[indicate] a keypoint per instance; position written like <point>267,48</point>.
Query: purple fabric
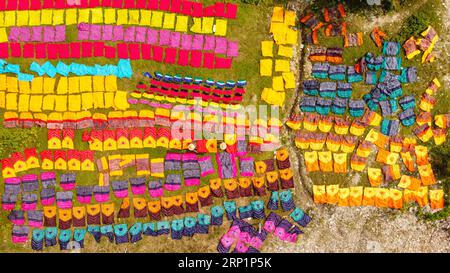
<point>152,36</point>
<point>60,35</point>
<point>118,33</point>
<point>233,49</point>
<point>164,37</point>
<point>49,34</point>
<point>107,33</point>
<point>95,33</point>
<point>175,39</point>
<point>186,42</point>
<point>197,43</point>
<point>36,34</point>
<point>221,45</point>
<point>83,31</point>
<point>129,34</point>
<point>14,34</point>
<point>210,43</point>
<point>140,34</point>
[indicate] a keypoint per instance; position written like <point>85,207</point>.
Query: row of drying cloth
<point>379,197</point>
<point>121,70</point>
<point>281,25</point>
<point>141,17</point>
<point>133,51</point>
<point>219,45</point>
<point>413,46</point>
<point>185,7</point>
<point>45,34</point>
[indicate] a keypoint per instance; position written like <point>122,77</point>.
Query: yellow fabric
<point>289,80</point>
<point>272,97</point>
<point>24,102</point>
<point>58,17</point>
<point>97,15</point>
<point>36,103</point>
<point>120,100</point>
<point>110,83</point>
<point>133,17</point>
<point>98,83</point>
<point>146,17</point>
<point>267,48</point>
<point>24,87</point>
<point>122,17</point>
<point>2,99</point>
<point>12,84</point>
<point>61,103</point>
<point>266,67</point>
<point>48,103</point>
<point>207,25</point>
<point>182,23</point>
<point>10,18</point>
<point>110,16</point>
<point>87,101</point>
<point>157,17</point>
<point>277,83</point>
<point>22,17</point>
<point>83,16</point>
<point>2,82</point>
<point>86,84</point>
<point>221,27</point>
<point>34,18</point>
<point>37,85</point>
<point>291,36</point>
<point>285,51</point>
<point>278,14</point>
<point>74,85</point>
<point>74,103</point>
<point>63,86</point>
<point>279,31</point>
<point>282,65</point>
<point>98,100</point>
<point>49,85</point>
<point>11,101</point>
<point>289,18</point>
<point>3,35</point>
<point>109,100</point>
<point>169,20</point>
<point>71,16</point>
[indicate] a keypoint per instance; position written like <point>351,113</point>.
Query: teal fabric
<point>121,229</point>
<point>79,234</point>
<point>162,225</point>
<point>285,196</point>
<point>297,214</point>
<point>230,206</point>
<point>106,229</point>
<point>136,229</point>
<point>189,222</point>
<point>148,226</point>
<point>217,211</point>
<point>204,219</point>
<point>257,205</point>
<point>92,229</point>
<point>65,235</point>
<point>38,234</point>
<point>177,225</point>
<point>51,232</point>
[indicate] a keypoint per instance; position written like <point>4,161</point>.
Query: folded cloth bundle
<point>140,207</point>
<point>231,188</point>
<point>177,227</point>
<point>78,236</point>
<point>163,228</point>
<point>311,87</point>
<point>226,163</point>
<point>247,166</point>
<point>271,222</point>
<point>191,169</point>
<point>94,230</point>
<point>300,217</point>
<point>287,179</point>
<point>189,226</point>
<point>8,201</point>
<point>120,188</point>
<point>225,243</point>
<point>50,236</point>
<point>64,238</point>
<point>203,222</point>
<point>12,185</point>
<point>35,218</point>
<point>17,217</point>
<point>64,199</point>
<point>101,194</point>
<point>206,166</point>
<point>108,232</point>
<point>93,214</point>
<point>282,230</point>
<point>230,209</point>
<point>217,215</point>
<point>37,239</point>
<point>29,201</point>
<point>30,183</point>
<point>205,196</point>
<point>79,216</point>
<point>155,188</point>
<point>121,233</point>
<point>287,202</point>
<point>67,181</point>
<point>65,218</point>
<point>259,186</point>
<point>173,182</point>
<point>138,186</point>
<point>149,229</point>
<point>136,232</point>
<point>84,194</point>
<point>272,204</point>
<point>192,202</point>
<point>48,179</point>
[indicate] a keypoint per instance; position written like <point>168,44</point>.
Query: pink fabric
<point>60,33</point>
<point>118,33</point>
<point>129,34</point>
<point>18,239</point>
<point>186,42</point>
<point>121,194</point>
<point>140,34</point>
<point>49,34</point>
<point>48,201</point>
<point>156,193</point>
<point>197,42</point>
<point>101,198</point>
<point>95,32</point>
<point>175,39</point>
<point>138,190</point>
<point>221,46</point>
<point>28,206</point>
<point>233,49</point>
<point>64,204</point>
<point>83,31</point>
<point>152,36</point>
<point>164,37</point>
<point>210,43</point>
<point>107,33</point>
<point>36,34</point>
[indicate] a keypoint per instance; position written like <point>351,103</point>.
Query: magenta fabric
<point>60,33</point>
<point>95,32</point>
<point>186,42</point>
<point>152,36</point>
<point>221,46</point>
<point>197,42</point>
<point>175,38</point>
<point>36,34</point>
<point>164,37</point>
<point>128,35</point>
<point>83,31</point>
<point>140,34</point>
<point>233,49</point>
<point>118,33</point>
<point>107,33</point>
<point>210,43</point>
<point>49,34</point>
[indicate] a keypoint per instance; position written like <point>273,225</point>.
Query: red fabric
<point>209,11</point>
<point>28,51</point>
<point>183,57</point>
<point>60,154</point>
<point>223,63</point>
<point>68,133</point>
<point>109,134</point>
<point>196,58</point>
<point>170,55</point>
<point>97,134</point>
<point>153,4</point>
<point>99,49</point>
<point>48,4</point>
<point>141,4</point>
<point>60,4</point>
<point>122,132</point>
<point>146,51</point>
<point>30,152</point>
<point>7,163</point>
<point>12,5</point>
<point>106,3</point>
<point>197,9</point>
<point>46,154</point>
<point>86,49</point>
<point>186,7</point>
<point>201,146</point>
<point>122,51</point>
<point>135,53</point>
<point>87,155</point>
<point>94,3</point>
<point>16,50</point>
<point>36,4</point>
<point>83,4</point>
<point>164,5</point>
<point>75,50</point>
<point>163,132</point>
<point>176,6</point>
<point>2,5</point>
<point>231,11</point>
<point>24,4</point>
<point>149,131</point>
<point>220,9</point>
<point>208,60</point>
<point>41,51</point>
<point>110,52</point>
<point>64,51</point>
<point>118,4</point>
<point>17,156</point>
<point>85,136</point>
<point>130,4</point>
<point>136,132</point>
<point>157,53</point>
<point>51,133</point>
<point>4,50</point>
<point>73,154</point>
<point>52,51</point>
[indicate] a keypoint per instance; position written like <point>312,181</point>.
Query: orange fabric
<point>369,196</point>
<point>427,175</point>
<point>344,194</point>
<point>408,161</point>
<point>395,199</point>
<point>340,162</point>
<point>356,196</point>
<point>421,155</point>
<point>332,194</point>
<point>375,176</point>
<point>325,161</point>
<point>319,194</point>
<point>382,198</point>
<point>422,196</point>
<point>311,161</point>
<point>436,199</point>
